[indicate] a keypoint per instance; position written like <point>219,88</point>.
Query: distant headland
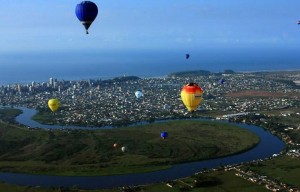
<point>197,73</point>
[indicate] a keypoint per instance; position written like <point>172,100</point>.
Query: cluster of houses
<point>113,102</point>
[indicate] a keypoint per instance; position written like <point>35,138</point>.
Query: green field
<point>82,152</point>
<point>284,168</point>
<point>217,181</point>
<point>9,114</point>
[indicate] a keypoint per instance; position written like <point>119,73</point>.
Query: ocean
<point>39,67</point>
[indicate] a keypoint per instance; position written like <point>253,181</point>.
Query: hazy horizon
<point>41,39</point>
<point>38,67</point>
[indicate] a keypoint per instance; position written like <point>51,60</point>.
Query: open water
<point>39,67</point>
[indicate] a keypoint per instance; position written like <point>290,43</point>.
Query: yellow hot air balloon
<point>191,96</point>
<point>53,104</point>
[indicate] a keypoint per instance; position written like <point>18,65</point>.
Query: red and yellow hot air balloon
<point>53,104</point>
<point>191,96</point>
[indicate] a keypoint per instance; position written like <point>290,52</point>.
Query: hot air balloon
<point>53,104</point>
<point>138,94</point>
<point>123,149</point>
<point>86,12</point>
<point>187,56</point>
<point>222,81</point>
<point>115,145</point>
<point>298,22</point>
<point>164,135</point>
<point>166,106</point>
<point>191,95</point>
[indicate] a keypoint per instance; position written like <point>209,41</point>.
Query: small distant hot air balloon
<point>166,106</point>
<point>115,145</point>
<point>86,12</point>
<point>164,135</point>
<point>222,81</point>
<point>123,149</point>
<point>298,22</point>
<point>53,104</point>
<point>138,94</point>
<point>191,95</point>
<point>187,56</point>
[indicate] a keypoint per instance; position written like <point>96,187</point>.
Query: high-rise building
<point>51,81</point>
<point>19,88</point>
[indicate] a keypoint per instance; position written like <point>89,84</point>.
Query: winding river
<point>269,145</point>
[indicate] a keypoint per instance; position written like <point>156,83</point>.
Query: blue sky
<point>39,25</point>
<point>33,30</point>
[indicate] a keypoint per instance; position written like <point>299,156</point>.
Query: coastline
<point>109,77</point>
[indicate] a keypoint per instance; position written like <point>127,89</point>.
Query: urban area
<point>259,98</point>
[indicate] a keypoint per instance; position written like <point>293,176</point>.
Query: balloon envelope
<point>222,81</point>
<point>138,94</point>
<point>164,135</point>
<point>166,106</point>
<point>53,104</point>
<point>86,12</point>
<point>187,56</point>
<point>191,96</point>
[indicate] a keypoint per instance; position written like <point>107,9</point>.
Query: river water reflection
<point>269,145</point>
